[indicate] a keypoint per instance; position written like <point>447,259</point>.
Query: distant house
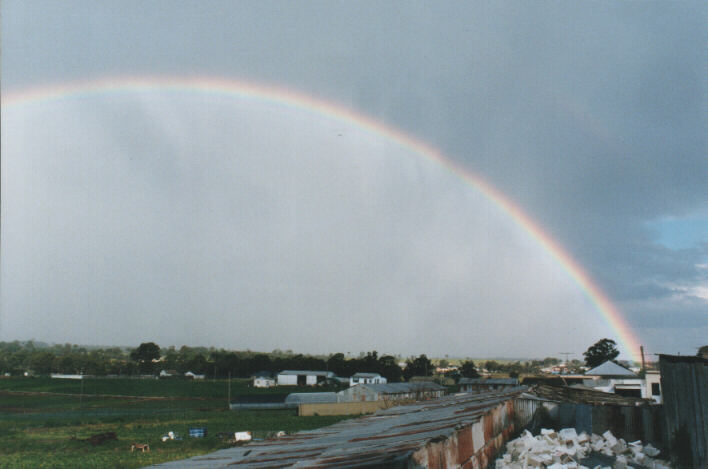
<point>392,392</point>
<point>263,379</point>
<point>478,385</point>
<point>366,378</point>
<point>192,375</point>
<point>611,377</point>
<point>303,377</point>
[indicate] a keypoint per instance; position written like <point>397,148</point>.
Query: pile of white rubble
<point>565,449</point>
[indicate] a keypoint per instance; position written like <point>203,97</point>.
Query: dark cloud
<point>591,116</point>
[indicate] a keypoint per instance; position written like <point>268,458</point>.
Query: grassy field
<point>147,387</point>
<point>45,430</point>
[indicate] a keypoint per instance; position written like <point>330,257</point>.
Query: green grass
<point>44,430</point>
<point>206,389</point>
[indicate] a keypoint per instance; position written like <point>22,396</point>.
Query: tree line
<point>148,358</point>
<point>17,358</point>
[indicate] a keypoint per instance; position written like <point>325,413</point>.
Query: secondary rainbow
<point>286,97</point>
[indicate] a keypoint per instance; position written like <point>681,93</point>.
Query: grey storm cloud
<point>591,116</point>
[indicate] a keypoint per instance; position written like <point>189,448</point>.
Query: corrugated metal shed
<point>585,396</point>
<point>465,430</point>
<point>594,411</point>
<point>393,388</point>
<point>392,391</point>
<point>311,397</point>
<point>491,381</point>
<point>365,375</point>
<point>307,372</point>
<point>684,382</point>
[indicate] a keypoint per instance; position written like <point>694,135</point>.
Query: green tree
<point>421,366</point>
<point>338,364</point>
<point>145,354</point>
<point>491,366</point>
<point>388,367</point>
<point>600,352</point>
<point>41,362</point>
<point>469,370</point>
<point>703,352</point>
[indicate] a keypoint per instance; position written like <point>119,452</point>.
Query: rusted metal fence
<point>629,422</point>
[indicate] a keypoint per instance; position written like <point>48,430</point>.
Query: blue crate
<point>198,432</point>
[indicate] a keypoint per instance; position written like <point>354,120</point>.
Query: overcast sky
<point>208,220</point>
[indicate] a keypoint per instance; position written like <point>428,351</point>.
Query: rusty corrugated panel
<point>595,411</point>
<point>465,430</point>
<point>585,396</point>
<point>684,384</point>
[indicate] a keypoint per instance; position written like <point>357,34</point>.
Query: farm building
<point>392,392</point>
<point>303,377</point>
<point>311,398</point>
<point>366,378</point>
<point>263,379</point>
<point>263,382</point>
<point>67,376</point>
<point>487,384</point>
<point>193,375</point>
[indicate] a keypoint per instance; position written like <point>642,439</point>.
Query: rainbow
<point>286,97</point>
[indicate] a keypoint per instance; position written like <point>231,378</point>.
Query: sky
<point>193,218</point>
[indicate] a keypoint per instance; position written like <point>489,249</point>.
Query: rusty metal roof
<point>584,396</point>
<point>311,397</point>
<point>399,388</point>
<point>387,438</point>
<point>306,372</point>
<point>491,381</point>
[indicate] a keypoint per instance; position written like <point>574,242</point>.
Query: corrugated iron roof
<point>366,375</point>
<point>683,359</point>
<point>398,388</point>
<point>306,372</point>
<point>311,397</point>
<point>491,381</point>
<point>610,368</point>
<point>385,439</point>
<point>584,396</point>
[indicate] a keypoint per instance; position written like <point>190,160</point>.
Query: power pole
<point>641,350</point>
<point>566,355</point>
<point>228,403</point>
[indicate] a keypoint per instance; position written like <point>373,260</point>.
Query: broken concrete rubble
<point>566,449</point>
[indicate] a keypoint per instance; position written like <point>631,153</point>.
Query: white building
<point>366,378</point>
<point>303,377</point>
<point>614,378</point>
<point>652,379</point>
<point>263,379</point>
<point>193,375</point>
<point>66,376</point>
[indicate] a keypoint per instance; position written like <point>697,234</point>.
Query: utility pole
<point>641,350</point>
<point>566,355</point>
<point>229,395</point>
